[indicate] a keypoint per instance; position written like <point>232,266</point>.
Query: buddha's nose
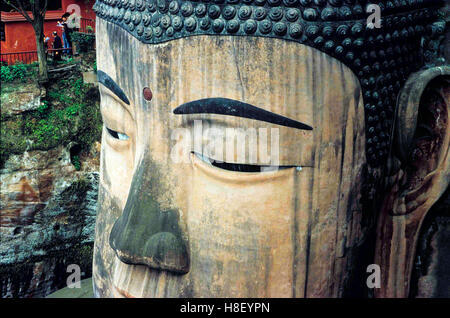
<point>146,234</point>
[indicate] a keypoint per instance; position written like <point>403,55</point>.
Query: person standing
<point>57,46</point>
<point>67,33</point>
<point>64,37</point>
<point>46,39</point>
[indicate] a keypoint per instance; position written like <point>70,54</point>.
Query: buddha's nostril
<point>168,251</point>
<point>163,251</point>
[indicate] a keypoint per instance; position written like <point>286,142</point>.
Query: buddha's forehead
<point>274,74</point>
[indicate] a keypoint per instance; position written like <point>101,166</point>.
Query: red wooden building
<point>17,35</point>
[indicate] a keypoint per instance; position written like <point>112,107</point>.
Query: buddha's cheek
<point>116,172</point>
<point>241,229</point>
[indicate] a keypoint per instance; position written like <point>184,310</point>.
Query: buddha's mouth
<point>120,293</point>
<point>137,281</point>
<point>119,286</point>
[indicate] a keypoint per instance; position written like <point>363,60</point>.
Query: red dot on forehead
<point>147,93</point>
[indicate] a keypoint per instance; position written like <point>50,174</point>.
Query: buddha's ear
<point>422,137</point>
<point>421,149</point>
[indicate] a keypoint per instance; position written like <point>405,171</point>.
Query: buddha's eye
<point>241,167</point>
<point>117,135</point>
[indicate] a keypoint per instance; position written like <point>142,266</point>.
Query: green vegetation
<point>70,60</point>
<point>19,72</point>
<point>94,66</point>
<point>76,162</point>
<point>85,41</point>
<point>69,113</point>
<point>43,107</point>
<point>24,73</point>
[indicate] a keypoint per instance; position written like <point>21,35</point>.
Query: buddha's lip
<point>119,291</point>
<point>116,290</point>
<point>122,292</point>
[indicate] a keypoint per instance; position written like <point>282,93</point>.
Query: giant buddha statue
<point>262,148</point>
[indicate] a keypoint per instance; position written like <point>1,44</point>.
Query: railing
<point>27,57</point>
<point>23,57</point>
<point>62,49</point>
<point>86,25</point>
<point>31,56</point>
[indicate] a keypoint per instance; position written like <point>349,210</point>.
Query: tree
<point>38,8</point>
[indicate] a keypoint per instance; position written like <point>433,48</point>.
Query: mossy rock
<point>69,113</point>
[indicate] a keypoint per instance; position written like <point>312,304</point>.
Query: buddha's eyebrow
<point>108,82</point>
<point>225,106</point>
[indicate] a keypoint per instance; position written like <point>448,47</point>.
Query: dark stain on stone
<point>145,233</point>
<point>436,227</point>
<point>45,186</point>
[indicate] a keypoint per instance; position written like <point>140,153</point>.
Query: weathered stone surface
<point>47,216</point>
<point>296,232</point>
<point>418,185</point>
<point>436,281</point>
<point>431,274</point>
<point>20,99</point>
<point>90,77</point>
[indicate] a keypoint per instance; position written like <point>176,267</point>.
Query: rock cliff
<point>49,179</point>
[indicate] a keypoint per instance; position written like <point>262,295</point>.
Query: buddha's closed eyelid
<point>117,139</point>
<point>243,167</point>
<point>118,123</point>
<point>114,126</point>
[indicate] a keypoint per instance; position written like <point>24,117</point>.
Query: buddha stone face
<point>277,211</point>
<point>171,223</point>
